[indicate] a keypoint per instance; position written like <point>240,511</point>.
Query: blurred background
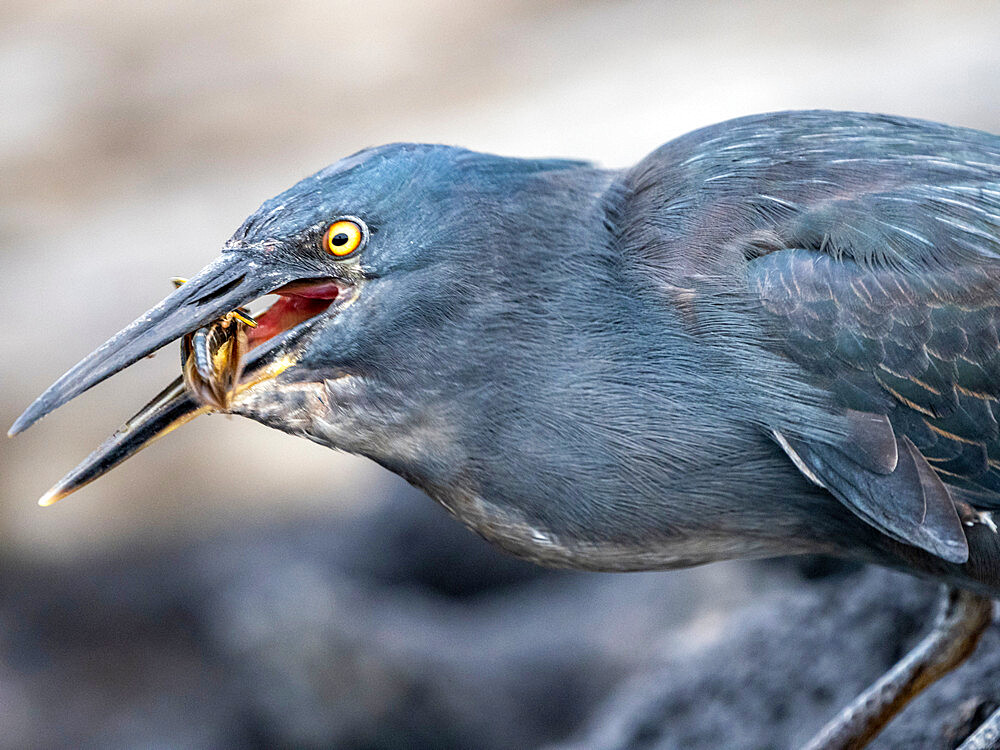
<point>233,586</point>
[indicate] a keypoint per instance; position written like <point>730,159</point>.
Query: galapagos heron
<point>771,336</point>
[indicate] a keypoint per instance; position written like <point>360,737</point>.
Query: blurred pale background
<point>134,137</point>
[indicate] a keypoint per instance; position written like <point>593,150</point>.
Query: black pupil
<point>339,239</point>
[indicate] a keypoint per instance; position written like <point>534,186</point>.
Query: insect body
<point>212,356</point>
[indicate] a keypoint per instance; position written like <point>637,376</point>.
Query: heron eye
<point>344,237</point>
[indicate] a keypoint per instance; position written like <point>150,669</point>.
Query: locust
<point>212,356</point>
<point>212,361</point>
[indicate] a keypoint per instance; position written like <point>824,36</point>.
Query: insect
<point>212,356</point>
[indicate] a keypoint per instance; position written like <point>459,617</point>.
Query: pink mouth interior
<point>297,302</point>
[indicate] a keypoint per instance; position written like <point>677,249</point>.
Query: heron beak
<point>226,284</point>
<point>220,287</point>
<point>171,408</point>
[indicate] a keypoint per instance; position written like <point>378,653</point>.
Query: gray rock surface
<point>404,630</point>
<point>781,667</point>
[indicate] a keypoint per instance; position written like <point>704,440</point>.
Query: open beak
<point>221,287</point>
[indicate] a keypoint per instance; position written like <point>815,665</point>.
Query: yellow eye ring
<point>344,237</point>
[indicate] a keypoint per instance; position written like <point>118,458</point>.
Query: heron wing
<point>921,348</point>
<point>871,249</point>
<point>915,341</point>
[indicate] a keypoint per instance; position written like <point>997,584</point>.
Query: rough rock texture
<point>783,666</point>
<point>403,630</point>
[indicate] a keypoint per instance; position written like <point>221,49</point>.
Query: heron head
<point>394,272</point>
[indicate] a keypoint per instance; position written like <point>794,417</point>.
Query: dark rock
<point>399,629</point>
<point>402,629</point>
<point>773,673</point>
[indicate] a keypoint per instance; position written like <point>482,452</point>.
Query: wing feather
<point>871,248</point>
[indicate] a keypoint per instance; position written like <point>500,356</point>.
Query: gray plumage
<point>774,335</point>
